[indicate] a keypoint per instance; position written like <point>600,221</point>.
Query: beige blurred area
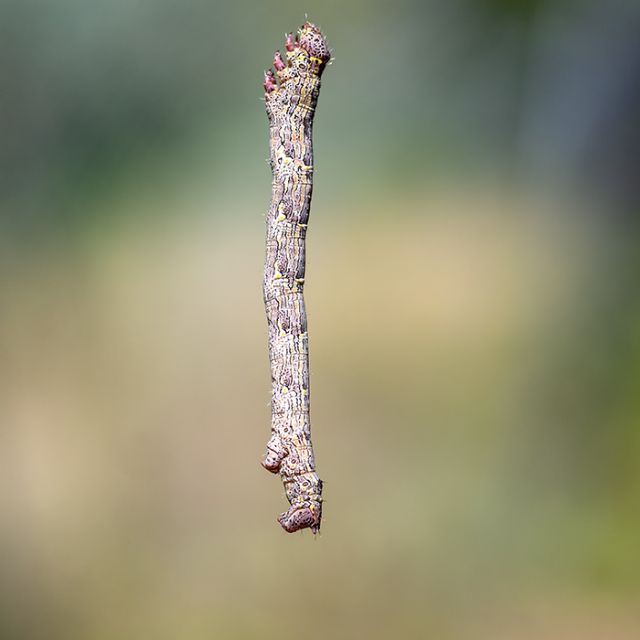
<point>135,410</point>
<point>473,318</point>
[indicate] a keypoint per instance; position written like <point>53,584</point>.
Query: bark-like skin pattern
<point>291,96</point>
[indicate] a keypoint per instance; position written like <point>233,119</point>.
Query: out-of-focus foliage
<point>475,410</point>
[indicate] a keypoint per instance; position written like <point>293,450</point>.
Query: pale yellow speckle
<point>285,390</point>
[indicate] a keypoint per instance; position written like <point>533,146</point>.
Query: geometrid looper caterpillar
<point>291,95</point>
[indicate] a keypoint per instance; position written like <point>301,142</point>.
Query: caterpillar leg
<point>275,454</point>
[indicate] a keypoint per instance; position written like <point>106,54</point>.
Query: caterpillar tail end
<point>301,517</point>
<point>304,492</point>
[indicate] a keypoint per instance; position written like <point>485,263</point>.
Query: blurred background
<point>473,264</point>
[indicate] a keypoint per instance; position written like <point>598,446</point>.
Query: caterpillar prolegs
<point>291,95</point>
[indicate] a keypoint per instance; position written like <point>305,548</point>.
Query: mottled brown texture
<point>291,96</point>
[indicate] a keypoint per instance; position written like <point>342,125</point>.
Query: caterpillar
<point>291,96</point>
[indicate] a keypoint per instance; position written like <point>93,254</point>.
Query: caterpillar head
<point>310,38</point>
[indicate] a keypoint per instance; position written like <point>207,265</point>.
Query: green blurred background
<point>473,264</point>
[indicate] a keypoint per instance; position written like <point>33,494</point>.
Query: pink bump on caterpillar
<point>278,63</point>
<point>290,43</point>
<point>269,83</point>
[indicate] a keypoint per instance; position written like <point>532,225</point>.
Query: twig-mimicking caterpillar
<point>291,95</point>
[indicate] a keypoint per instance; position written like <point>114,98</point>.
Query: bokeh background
<point>473,264</point>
